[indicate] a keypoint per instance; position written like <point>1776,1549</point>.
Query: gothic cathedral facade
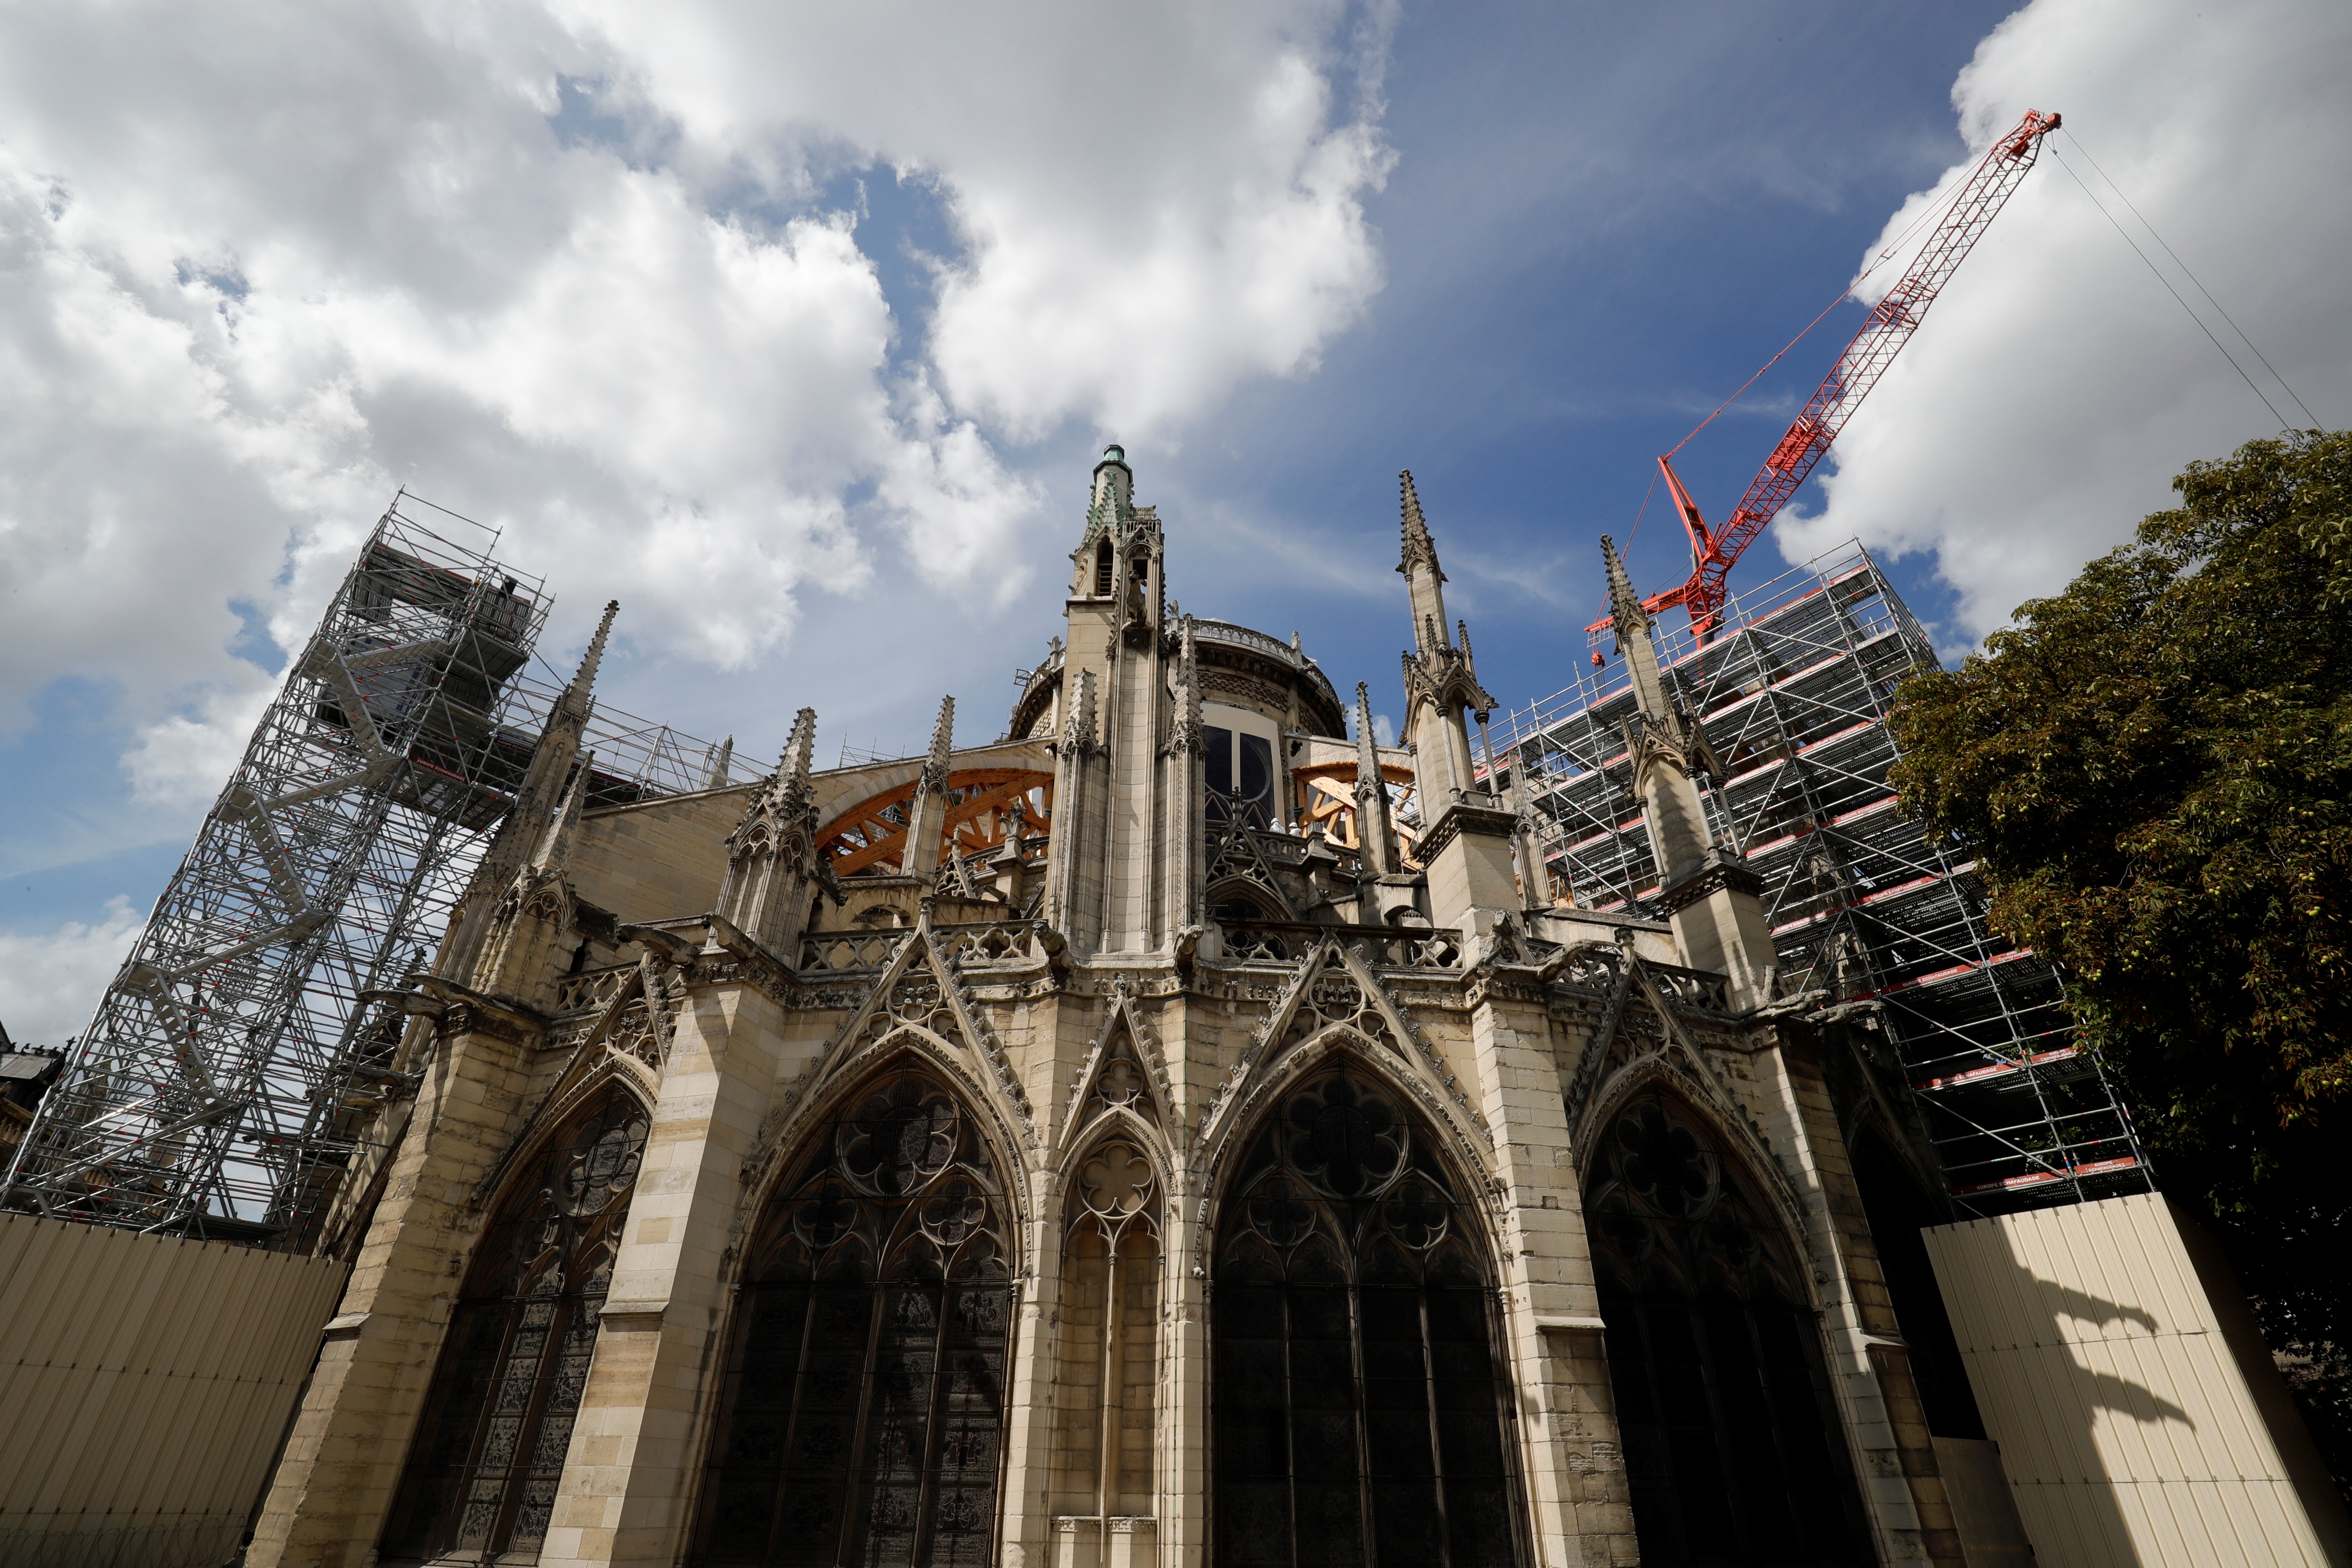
<point>1174,1134</point>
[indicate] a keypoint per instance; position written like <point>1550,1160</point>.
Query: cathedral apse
<point>1179,1129</point>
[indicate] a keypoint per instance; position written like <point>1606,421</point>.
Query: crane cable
<point>1931,210</point>
<point>2192,278</point>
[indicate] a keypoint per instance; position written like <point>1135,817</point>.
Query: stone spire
<point>1421,572</point>
<point>1634,639</point>
<point>555,845</point>
<point>772,860</point>
<point>793,766</point>
<point>1375,833</point>
<point>722,756</point>
<point>1465,842</point>
<point>926,817</point>
<point>537,804</point>
<point>1709,895</point>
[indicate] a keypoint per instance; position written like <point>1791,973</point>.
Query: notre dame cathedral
<point>1173,1133</point>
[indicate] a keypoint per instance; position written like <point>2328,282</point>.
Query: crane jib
<point>1892,321</point>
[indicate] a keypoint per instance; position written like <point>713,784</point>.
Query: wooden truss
<point>1327,796</point>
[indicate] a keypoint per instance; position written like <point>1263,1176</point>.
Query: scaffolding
<point>1794,693</point>
<point>233,1066</point>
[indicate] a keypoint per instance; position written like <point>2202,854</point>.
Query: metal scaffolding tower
<point>1794,693</point>
<point>233,1064</point>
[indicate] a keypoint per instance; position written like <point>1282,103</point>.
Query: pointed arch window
<point>482,1471</point>
<point>1110,1325</point>
<point>1360,1405</point>
<point>862,1398</point>
<point>1733,1452</point>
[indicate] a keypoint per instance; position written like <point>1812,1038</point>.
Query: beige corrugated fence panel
<point>2129,1400</point>
<point>145,1385</point>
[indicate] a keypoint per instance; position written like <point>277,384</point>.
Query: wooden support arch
<point>979,816</point>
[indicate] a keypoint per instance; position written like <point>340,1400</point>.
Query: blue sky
<point>800,337</point>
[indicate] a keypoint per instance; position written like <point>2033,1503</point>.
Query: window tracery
<point>480,1480</point>
<point>862,1399</point>
<point>1732,1446</point>
<point>1359,1404</point>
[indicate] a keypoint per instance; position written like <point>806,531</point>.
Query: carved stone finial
<point>1373,832</point>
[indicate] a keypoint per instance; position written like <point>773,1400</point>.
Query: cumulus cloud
<point>50,981</point>
<point>589,272</point>
<point>2057,387</point>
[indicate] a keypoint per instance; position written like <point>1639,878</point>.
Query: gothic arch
<point>841,1079</point>
<point>1704,1100</point>
<point>1734,1449</point>
<point>861,1400</point>
<point>1123,1076</point>
<point>1233,1125</point>
<point>1115,1205</point>
<point>482,1466</point>
<point>1309,1020</point>
<point>1362,1405</point>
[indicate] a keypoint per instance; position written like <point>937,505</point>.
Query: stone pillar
<point>1466,855</point>
<point>1182,1539</point>
<point>1720,926</point>
<point>1567,1425</point>
<point>628,1473</point>
<point>1024,1506</point>
<point>1902,1489</point>
<point>334,1484</point>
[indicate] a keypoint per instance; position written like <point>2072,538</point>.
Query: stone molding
<point>1717,875</point>
<point>1462,817</point>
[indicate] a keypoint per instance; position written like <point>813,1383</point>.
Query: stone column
<point>1025,1501</point>
<point>334,1484</point>
<point>628,1474</point>
<point>1886,1433</point>
<point>1182,1535</point>
<point>1567,1425</point>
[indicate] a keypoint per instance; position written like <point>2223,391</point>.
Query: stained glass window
<point>1360,1407</point>
<point>488,1451</point>
<point>1733,1452</point>
<point>862,1400</point>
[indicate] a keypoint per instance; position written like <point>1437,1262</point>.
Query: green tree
<point>2155,769</point>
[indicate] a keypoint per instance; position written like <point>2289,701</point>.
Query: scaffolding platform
<point>1794,694</point>
<point>233,1066</point>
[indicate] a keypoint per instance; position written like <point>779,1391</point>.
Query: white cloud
<point>1158,204</point>
<point>49,981</point>
<point>2056,388</point>
<point>254,274</point>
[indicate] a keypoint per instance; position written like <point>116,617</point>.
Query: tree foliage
<point>2154,769</point>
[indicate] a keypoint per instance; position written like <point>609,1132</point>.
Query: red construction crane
<point>1892,321</point>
